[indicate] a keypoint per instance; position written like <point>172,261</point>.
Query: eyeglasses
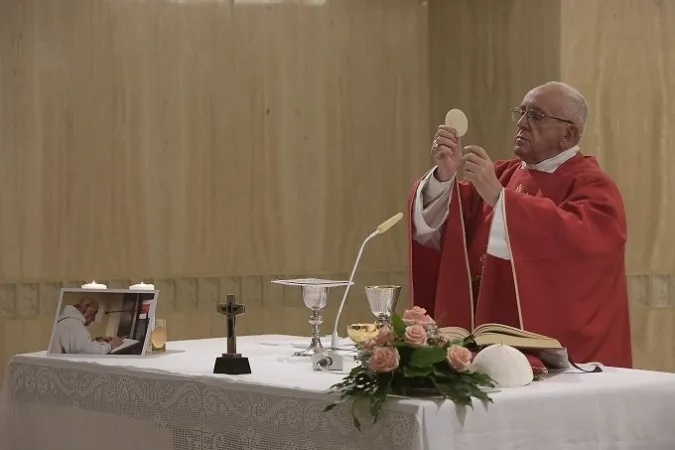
<point>533,115</point>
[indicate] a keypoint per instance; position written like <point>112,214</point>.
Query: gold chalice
<point>362,332</point>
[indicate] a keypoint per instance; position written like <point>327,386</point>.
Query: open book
<point>549,350</point>
<point>492,333</point>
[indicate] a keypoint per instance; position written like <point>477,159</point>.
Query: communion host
<point>536,242</point>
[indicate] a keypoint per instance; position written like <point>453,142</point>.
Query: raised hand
<point>447,152</point>
<point>479,170</point>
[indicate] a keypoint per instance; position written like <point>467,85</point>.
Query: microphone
<point>381,228</point>
<point>325,362</point>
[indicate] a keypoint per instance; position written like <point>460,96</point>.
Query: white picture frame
<point>102,315</point>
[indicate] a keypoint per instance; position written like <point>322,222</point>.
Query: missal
<point>536,346</point>
<point>493,333</point>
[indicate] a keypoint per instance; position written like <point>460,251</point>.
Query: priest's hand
<point>447,152</point>
<point>480,171</point>
<point>115,342</point>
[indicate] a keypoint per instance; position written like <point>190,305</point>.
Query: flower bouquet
<point>411,358</point>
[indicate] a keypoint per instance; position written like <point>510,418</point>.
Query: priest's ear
<point>571,137</point>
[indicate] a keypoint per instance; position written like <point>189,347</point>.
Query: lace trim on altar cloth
<point>194,415</point>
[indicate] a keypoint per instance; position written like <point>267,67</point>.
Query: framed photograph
<point>103,322</point>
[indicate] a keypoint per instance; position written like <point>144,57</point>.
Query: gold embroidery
<point>477,278</point>
<point>519,188</point>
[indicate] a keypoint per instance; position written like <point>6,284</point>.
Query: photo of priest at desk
<point>102,323</point>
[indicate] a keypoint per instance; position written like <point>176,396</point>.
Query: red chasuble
<point>567,233</point>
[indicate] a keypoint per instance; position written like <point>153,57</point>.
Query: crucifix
<point>231,363</point>
<point>231,310</point>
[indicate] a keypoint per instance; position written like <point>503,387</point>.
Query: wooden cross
<point>231,310</point>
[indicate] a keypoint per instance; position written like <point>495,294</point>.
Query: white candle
<point>142,286</point>
<point>94,285</point>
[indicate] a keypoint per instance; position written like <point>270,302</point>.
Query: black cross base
<point>229,364</point>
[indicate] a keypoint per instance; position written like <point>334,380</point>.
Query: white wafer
<point>456,119</point>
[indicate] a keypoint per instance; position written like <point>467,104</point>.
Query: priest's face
<point>542,129</point>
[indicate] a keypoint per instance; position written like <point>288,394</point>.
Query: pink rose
<point>417,316</point>
<point>415,335</point>
<point>459,358</point>
<point>384,336</point>
<point>369,344</point>
<point>384,359</point>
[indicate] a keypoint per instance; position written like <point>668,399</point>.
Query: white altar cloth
<point>174,401</point>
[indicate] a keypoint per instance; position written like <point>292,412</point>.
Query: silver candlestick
<point>382,301</point>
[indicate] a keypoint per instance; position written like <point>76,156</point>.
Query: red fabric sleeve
<point>590,222</point>
<point>426,261</point>
<point>570,268</point>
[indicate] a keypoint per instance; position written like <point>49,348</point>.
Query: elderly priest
<point>536,242</point>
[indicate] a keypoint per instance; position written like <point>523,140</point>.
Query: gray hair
<point>575,108</point>
<point>84,303</point>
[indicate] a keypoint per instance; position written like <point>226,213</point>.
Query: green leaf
<point>356,370</point>
<point>427,357</point>
<point>441,388</point>
<point>376,403</point>
<point>426,365</point>
<point>443,370</point>
<point>477,392</point>
<point>329,407</point>
<point>355,420</point>
<point>397,325</point>
<point>415,372</point>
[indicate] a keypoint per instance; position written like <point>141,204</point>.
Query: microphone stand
<point>382,228</point>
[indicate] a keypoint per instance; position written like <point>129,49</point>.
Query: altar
<point>174,401</point>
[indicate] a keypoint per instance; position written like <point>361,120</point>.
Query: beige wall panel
<point>208,147</point>
<point>206,138</point>
<point>653,338</point>
<point>484,56</point>
<point>620,55</point>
